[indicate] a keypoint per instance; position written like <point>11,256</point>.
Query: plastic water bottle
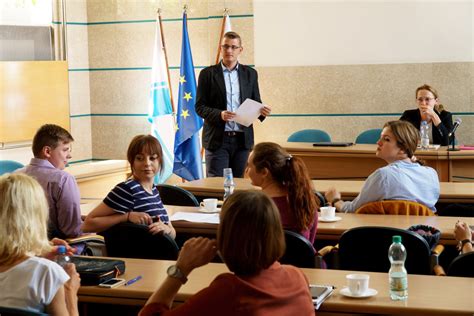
<point>62,258</point>
<point>425,138</point>
<point>228,183</point>
<point>397,273</point>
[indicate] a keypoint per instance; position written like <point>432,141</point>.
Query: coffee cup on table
<point>328,212</point>
<point>210,205</point>
<point>358,284</point>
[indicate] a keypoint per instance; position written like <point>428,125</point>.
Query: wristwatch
<point>335,201</point>
<point>174,272</point>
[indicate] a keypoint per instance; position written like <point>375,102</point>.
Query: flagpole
<point>221,35</point>
<point>166,58</point>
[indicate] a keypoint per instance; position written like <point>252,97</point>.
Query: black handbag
<point>94,271</point>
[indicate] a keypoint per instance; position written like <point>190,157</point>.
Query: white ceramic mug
<point>328,212</point>
<point>357,284</point>
<point>209,204</point>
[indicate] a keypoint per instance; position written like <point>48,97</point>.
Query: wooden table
<point>357,162</point>
<point>428,295</point>
<point>461,165</point>
<point>450,192</point>
<point>326,231</point>
<point>96,179</point>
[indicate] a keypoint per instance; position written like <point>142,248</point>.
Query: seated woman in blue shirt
<point>404,178</point>
<point>137,199</point>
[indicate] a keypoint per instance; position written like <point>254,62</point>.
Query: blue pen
<point>129,282</point>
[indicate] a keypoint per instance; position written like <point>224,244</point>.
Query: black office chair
<point>9,311</point>
<point>299,251</point>
<point>321,198</point>
<point>462,266</point>
<point>366,249</point>
<point>173,195</point>
<point>129,240</point>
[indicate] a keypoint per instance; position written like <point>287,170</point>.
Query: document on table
<point>248,112</point>
<point>196,217</point>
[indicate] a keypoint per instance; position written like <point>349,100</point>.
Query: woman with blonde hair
<point>285,179</point>
<point>250,240</point>
<point>439,120</point>
<point>404,178</point>
<point>29,282</point>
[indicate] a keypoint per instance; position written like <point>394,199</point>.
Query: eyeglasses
<point>226,47</point>
<point>424,99</point>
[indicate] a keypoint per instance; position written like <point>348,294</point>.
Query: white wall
<point>298,33</point>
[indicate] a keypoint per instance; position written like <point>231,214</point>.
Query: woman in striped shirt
<point>137,199</point>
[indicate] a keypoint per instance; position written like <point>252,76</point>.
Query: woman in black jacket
<point>430,110</point>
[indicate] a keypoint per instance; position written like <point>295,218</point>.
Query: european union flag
<point>187,156</point>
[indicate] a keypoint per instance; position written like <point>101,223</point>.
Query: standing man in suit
<point>221,89</point>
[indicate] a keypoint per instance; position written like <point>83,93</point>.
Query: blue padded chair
<point>309,136</point>
<point>370,136</point>
<point>9,166</point>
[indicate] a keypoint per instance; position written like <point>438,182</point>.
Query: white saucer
<point>329,220</point>
<point>369,293</point>
<point>203,210</point>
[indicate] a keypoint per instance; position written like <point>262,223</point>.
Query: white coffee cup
<point>328,212</point>
<point>209,205</point>
<point>357,284</point>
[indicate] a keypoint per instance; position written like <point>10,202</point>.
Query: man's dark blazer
<point>211,101</point>
<point>440,132</point>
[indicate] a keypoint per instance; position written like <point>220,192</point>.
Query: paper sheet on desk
<point>196,217</point>
<point>248,112</point>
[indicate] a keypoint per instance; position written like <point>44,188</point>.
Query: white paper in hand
<point>248,112</point>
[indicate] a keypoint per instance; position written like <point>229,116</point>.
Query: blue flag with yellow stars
<point>187,156</point>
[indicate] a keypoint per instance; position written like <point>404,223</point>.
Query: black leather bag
<point>94,271</point>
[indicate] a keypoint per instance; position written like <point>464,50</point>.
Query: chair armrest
<point>326,250</point>
<point>438,270</point>
<point>86,238</point>
<point>438,249</point>
<point>435,253</point>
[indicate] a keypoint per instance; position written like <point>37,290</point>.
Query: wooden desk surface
<point>450,192</point>
<point>328,231</point>
<point>428,295</point>
<point>357,162</point>
<point>97,168</point>
<point>96,179</point>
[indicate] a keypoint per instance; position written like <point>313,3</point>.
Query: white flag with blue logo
<point>160,110</point>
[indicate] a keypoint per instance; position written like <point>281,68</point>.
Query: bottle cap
<point>61,250</point>
<point>397,239</point>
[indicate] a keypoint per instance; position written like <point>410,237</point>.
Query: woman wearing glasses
<point>430,110</point>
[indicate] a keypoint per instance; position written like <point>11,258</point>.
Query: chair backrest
<point>366,249</point>
<point>173,195</point>
<point>299,251</point>
<point>321,198</point>
<point>370,136</point>
<point>9,166</point>
<point>462,266</point>
<point>395,207</point>
<point>309,136</point>
<point>9,311</point>
<point>128,240</point>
